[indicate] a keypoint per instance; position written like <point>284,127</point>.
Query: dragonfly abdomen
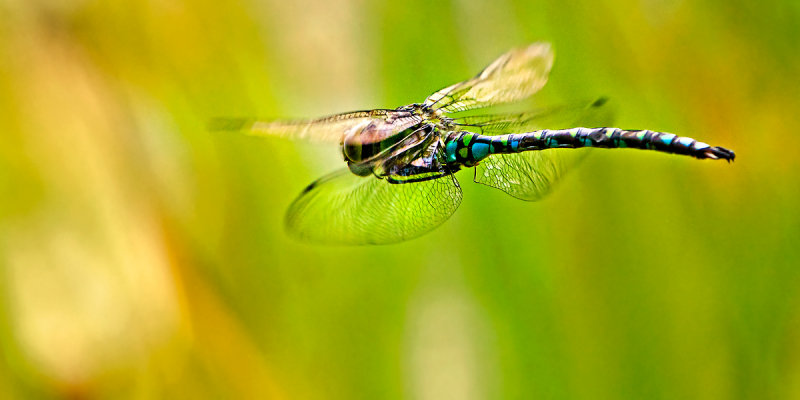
<point>469,148</point>
<point>619,138</point>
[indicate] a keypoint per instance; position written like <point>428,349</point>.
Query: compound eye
<point>352,142</point>
<point>352,147</point>
<point>368,141</point>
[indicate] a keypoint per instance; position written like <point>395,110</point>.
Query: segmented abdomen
<point>468,148</point>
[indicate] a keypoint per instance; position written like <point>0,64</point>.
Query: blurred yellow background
<point>144,257</point>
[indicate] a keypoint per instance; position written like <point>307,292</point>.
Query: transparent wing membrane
<point>513,76</point>
<point>531,175</point>
<point>343,208</point>
<point>528,176</point>
<point>561,117</point>
<point>327,129</point>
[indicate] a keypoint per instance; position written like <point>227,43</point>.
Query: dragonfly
<point>399,182</point>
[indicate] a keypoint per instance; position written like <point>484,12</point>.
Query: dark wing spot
<point>600,102</point>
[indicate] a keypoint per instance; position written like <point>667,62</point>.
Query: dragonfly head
<point>369,149</point>
<point>368,140</point>
<point>375,137</point>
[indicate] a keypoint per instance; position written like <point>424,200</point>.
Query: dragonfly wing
<point>514,76</point>
<point>527,176</point>
<point>531,175</point>
<point>559,117</point>
<point>326,129</point>
<point>343,208</point>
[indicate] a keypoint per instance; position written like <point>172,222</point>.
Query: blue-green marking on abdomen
<point>450,149</point>
<point>480,151</point>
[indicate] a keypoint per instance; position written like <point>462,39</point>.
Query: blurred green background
<point>144,257</point>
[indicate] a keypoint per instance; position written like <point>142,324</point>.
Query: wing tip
<point>541,46</point>
<point>601,101</point>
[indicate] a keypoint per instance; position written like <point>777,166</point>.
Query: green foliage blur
<point>144,257</point>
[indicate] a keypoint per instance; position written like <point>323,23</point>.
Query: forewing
<point>531,175</point>
<point>343,208</point>
<point>559,117</point>
<point>514,76</point>
<point>326,129</point>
